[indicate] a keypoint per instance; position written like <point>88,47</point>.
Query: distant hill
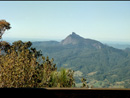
<point>119,46</point>
<point>91,59</point>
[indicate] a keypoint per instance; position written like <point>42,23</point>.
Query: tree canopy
<point>4,25</point>
<point>19,67</point>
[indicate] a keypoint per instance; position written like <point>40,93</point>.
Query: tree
<point>4,26</point>
<point>19,67</point>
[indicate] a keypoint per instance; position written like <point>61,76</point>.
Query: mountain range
<point>102,65</point>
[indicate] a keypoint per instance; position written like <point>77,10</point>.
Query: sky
<point>55,20</point>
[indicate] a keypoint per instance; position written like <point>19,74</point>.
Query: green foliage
<point>65,78</point>
<point>19,67</point>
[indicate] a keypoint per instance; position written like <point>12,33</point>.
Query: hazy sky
<point>54,20</point>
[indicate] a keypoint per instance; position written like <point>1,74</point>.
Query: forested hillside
<point>102,65</point>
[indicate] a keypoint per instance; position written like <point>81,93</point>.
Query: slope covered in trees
<point>90,56</point>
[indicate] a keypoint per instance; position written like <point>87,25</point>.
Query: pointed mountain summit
<point>74,39</point>
<point>76,36</point>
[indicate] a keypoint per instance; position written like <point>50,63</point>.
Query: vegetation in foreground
<point>20,67</point>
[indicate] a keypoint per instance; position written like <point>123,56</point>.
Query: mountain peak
<point>73,33</point>
<point>75,39</point>
<point>72,39</point>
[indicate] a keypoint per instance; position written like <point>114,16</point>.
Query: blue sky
<point>54,20</point>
